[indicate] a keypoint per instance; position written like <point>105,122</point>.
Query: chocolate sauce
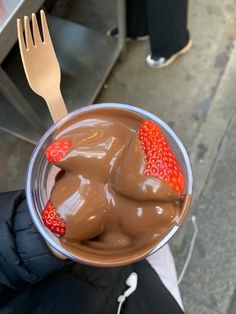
<point>113,212</point>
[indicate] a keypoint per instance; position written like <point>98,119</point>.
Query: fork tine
<point>46,34</point>
<point>36,33</point>
<point>28,35</point>
<point>21,37</point>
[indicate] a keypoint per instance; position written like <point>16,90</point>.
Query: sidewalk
<point>209,285</point>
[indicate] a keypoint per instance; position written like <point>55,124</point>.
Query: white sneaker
<point>162,62</point>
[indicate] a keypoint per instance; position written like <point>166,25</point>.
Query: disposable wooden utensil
<point>40,64</point>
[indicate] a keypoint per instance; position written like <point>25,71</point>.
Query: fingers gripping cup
<point>109,184</point>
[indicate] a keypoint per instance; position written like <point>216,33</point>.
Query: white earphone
<point>131,282</point>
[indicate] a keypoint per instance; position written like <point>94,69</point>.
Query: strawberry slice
<point>160,159</point>
<point>57,150</point>
<point>52,220</point>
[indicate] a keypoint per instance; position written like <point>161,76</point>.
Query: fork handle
<point>56,105</point>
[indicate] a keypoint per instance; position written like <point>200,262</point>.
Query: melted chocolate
<point>113,212</point>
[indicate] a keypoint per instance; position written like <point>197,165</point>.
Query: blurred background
<point>196,96</point>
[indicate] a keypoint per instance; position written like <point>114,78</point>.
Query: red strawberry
<point>57,150</point>
<point>52,220</point>
<point>160,159</point>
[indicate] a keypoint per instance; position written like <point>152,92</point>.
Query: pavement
<point>209,283</point>
<point>196,97</point>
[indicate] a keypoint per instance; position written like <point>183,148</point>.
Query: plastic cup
<point>41,175</point>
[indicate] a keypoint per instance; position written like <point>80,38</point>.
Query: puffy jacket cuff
<point>24,255</point>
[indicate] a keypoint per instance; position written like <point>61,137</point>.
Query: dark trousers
<point>165,21</point>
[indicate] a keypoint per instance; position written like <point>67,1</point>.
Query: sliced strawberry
<point>52,220</point>
<point>160,159</point>
<point>57,150</point>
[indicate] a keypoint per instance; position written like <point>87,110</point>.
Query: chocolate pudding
<point>112,208</point>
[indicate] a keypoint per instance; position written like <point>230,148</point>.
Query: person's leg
<point>136,18</point>
<point>167,22</point>
<point>136,14</point>
<point>163,263</point>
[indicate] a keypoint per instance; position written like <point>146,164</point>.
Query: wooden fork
<point>40,64</point>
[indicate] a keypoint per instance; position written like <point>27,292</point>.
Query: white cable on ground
<point>190,252</point>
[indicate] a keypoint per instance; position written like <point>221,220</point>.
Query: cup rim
<point>59,123</point>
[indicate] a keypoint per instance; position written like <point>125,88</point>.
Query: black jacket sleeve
<point>24,256</point>
<point>25,259</point>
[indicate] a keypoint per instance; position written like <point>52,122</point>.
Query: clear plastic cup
<point>41,175</point>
